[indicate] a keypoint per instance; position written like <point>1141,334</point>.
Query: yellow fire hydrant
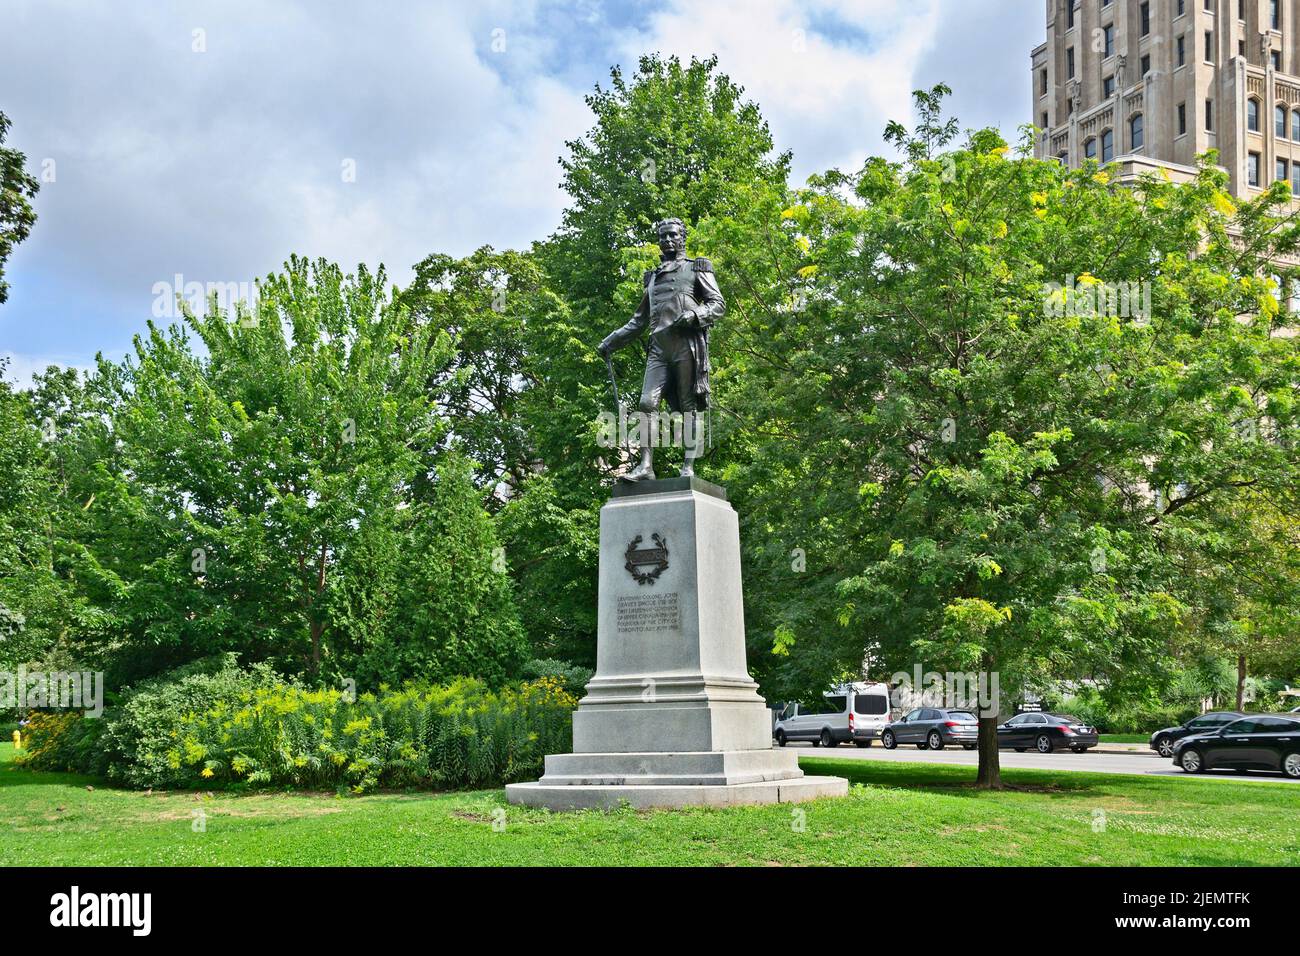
<point>18,740</point>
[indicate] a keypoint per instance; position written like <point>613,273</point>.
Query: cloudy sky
<point>213,138</point>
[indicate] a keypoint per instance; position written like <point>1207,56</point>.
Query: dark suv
<point>1162,741</point>
<point>930,728</point>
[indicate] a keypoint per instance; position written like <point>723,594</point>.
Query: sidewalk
<point>1136,750</point>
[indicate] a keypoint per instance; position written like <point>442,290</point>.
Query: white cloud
<point>218,165</point>
<point>826,89</point>
<point>21,369</point>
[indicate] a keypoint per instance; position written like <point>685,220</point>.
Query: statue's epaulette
<point>703,265</point>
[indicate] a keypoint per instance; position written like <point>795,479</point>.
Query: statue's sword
<point>609,364</point>
<point>618,403</point>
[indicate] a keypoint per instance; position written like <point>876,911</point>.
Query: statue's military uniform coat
<point>681,301</point>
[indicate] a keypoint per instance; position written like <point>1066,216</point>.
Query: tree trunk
<point>1241,681</point>
<point>315,647</point>
<point>989,708</point>
<point>990,772</point>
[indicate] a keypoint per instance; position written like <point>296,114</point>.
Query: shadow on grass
<point>958,781</point>
<point>13,775</point>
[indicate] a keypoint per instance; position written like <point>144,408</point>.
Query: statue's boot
<point>644,471</point>
<point>693,446</point>
<point>688,467</point>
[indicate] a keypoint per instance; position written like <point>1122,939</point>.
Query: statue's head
<point>672,238</point>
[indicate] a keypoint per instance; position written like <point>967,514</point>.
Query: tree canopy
<point>977,412</point>
<point>18,188</point>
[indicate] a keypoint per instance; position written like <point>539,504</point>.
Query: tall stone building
<point>1154,83</point>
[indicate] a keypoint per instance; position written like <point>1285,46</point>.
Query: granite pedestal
<point>671,717</point>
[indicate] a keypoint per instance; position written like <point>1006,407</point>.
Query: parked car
<point>856,712</point>
<point>1253,742</point>
<point>1046,732</point>
<point>1162,741</point>
<point>931,728</point>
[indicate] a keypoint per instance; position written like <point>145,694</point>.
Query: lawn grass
<point>896,814</point>
<point>1125,738</point>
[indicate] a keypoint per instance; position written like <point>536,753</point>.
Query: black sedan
<point>1250,743</point>
<point>1162,741</point>
<point>1046,732</point>
<point>931,728</point>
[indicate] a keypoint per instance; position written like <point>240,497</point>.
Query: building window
<point>1181,9</point>
<point>1144,13</point>
<point>1281,171</point>
<point>1295,179</point>
<point>1044,119</point>
<point>1279,122</point>
<point>1252,115</point>
<point>1275,14</point>
<point>1090,149</point>
<point>1135,131</point>
<point>1063,158</point>
<point>1069,15</point>
<point>1275,58</point>
<point>1209,115</point>
<point>1295,125</point>
<point>1108,146</point>
<point>1069,63</point>
<point>1042,82</point>
<point>1182,119</point>
<point>1182,50</point>
<point>1108,87</point>
<point>1209,47</point>
<point>1108,35</point>
<point>1146,64</point>
<point>1241,9</point>
<point>1252,169</point>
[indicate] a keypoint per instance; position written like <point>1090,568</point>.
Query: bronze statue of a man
<point>680,303</point>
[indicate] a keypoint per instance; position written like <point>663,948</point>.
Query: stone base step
<point>795,790</point>
<point>690,768</point>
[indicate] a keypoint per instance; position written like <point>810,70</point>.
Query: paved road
<point>1093,761</point>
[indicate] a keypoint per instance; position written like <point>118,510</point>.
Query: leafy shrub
<point>142,730</point>
<point>460,735</point>
<point>570,676</point>
<point>1132,718</point>
<point>61,741</point>
<point>213,723</point>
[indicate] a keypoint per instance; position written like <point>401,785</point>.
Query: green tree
<point>265,495</point>
<point>17,189</point>
<point>984,475</point>
<point>525,388</point>
<point>491,305</point>
<point>553,553</point>
<point>447,608</point>
<point>1242,565</point>
<point>29,587</point>
<point>52,441</point>
<point>674,140</point>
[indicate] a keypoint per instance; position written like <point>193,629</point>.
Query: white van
<point>856,712</point>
